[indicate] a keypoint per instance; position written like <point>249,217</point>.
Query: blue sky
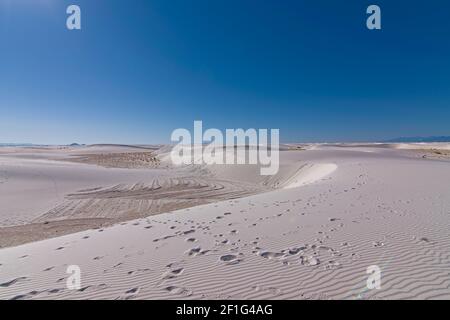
<point>139,69</point>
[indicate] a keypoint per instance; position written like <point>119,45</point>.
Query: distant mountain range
<point>421,139</point>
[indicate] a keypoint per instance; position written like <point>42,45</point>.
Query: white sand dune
<point>32,186</point>
<point>425,145</point>
<point>301,240</point>
<point>309,173</point>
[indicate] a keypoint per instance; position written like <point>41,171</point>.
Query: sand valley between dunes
<point>141,228</point>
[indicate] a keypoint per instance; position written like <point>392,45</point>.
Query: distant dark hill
<point>421,139</point>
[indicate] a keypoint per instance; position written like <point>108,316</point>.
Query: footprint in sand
<point>294,251</point>
<point>130,294</point>
<point>21,297</point>
<point>426,240</point>
<point>10,283</point>
<point>332,265</point>
<point>94,288</point>
<point>60,280</point>
<point>53,291</point>
<point>178,291</point>
<point>230,259</point>
<point>138,271</point>
<point>170,274</point>
<point>174,264</point>
<point>193,251</point>
<point>377,244</point>
<point>27,296</point>
<point>310,261</point>
<point>177,271</point>
<point>270,255</point>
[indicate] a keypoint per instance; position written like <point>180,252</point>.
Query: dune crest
<point>309,173</point>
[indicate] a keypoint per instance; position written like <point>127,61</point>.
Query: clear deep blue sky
<point>139,69</point>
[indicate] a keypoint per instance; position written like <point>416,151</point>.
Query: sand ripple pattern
<point>311,242</point>
<point>124,202</point>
